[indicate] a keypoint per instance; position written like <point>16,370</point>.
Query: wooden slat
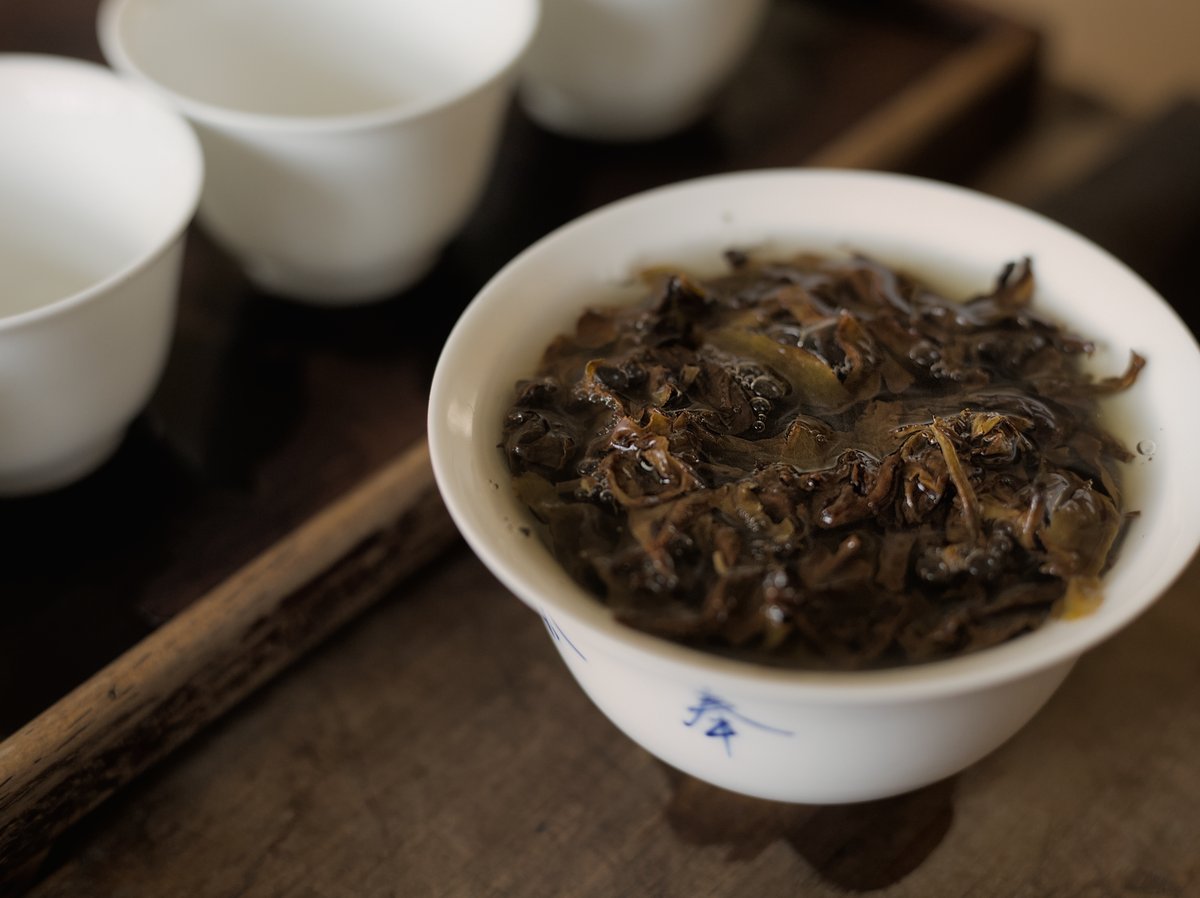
<point>155,696</point>
<point>892,135</point>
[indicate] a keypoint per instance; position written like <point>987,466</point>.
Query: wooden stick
<point>885,139</point>
<point>155,696</point>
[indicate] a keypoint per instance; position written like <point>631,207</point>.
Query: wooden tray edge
<point>895,134</point>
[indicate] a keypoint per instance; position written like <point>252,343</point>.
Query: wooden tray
<point>278,483</point>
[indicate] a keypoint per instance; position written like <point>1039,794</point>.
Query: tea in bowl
<point>803,733</point>
<point>98,182</point>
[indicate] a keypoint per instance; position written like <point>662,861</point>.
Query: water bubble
<point>767,387</point>
<point>1146,448</point>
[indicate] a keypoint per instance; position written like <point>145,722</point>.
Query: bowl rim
<point>191,156</point>
<point>990,667</point>
<point>109,17</point>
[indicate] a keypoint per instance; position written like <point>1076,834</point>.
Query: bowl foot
<point>323,288</point>
<point>561,114</point>
<point>61,471</point>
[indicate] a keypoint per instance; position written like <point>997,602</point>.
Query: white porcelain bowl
<point>97,184</point>
<point>625,70</point>
<point>346,142</point>
<point>794,735</point>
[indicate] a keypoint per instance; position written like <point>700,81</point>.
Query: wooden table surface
<point>438,746</point>
<point>441,748</point>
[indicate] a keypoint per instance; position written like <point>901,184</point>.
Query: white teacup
<point>346,142</point>
<point>98,182</point>
<point>626,70</point>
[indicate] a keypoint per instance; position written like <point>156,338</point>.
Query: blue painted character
<point>718,715</point>
<point>559,636</point>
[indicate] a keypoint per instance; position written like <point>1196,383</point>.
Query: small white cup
<point>625,70</point>
<point>346,142</point>
<point>98,181</point>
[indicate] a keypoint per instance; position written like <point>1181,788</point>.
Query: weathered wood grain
<point>440,747</point>
<point>155,696</point>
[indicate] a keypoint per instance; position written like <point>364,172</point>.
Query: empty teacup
<point>633,69</point>
<point>346,142</point>
<point>98,182</point>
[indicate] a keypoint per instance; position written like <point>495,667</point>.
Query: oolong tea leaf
<point>823,462</point>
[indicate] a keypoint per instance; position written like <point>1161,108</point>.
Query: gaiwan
<point>823,462</point>
<point>801,703</point>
